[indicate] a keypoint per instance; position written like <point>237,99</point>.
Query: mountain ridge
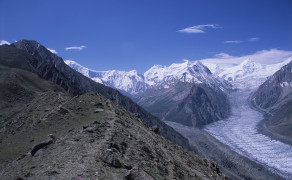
<point>274,96</point>
<point>193,72</point>
<point>52,68</point>
<point>248,73</point>
<point>130,82</point>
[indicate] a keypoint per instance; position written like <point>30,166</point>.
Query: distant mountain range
<point>238,72</point>
<point>192,93</point>
<point>169,91</point>
<point>128,82</point>
<point>248,73</point>
<point>133,83</point>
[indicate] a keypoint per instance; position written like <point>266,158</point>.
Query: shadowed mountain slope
<point>186,103</point>
<point>275,97</point>
<point>52,68</point>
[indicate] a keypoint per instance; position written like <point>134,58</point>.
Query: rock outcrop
<point>275,88</point>
<point>42,144</point>
<point>274,96</point>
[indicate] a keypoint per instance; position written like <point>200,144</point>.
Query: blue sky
<point>136,34</point>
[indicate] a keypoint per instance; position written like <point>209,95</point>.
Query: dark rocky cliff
<point>186,103</point>
<point>275,97</point>
<point>275,88</point>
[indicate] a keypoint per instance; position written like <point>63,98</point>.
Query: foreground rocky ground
<point>95,139</point>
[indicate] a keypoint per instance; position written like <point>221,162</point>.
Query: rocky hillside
<point>186,103</point>
<point>275,97</point>
<point>186,93</point>
<point>110,143</point>
<point>37,59</point>
<point>91,137</point>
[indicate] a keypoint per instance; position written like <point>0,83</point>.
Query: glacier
<point>239,132</point>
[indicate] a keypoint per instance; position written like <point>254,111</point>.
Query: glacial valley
<point>239,129</point>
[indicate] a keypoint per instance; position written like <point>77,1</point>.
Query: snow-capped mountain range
<point>157,76</point>
<point>242,72</point>
<point>194,72</point>
<point>127,81</point>
<point>189,71</point>
<point>248,73</point>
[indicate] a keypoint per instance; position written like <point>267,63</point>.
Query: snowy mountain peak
<point>250,66</point>
<point>248,73</point>
<point>126,81</point>
<point>78,67</point>
<point>245,68</point>
<point>187,71</point>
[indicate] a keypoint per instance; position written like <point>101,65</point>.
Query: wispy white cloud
<point>222,55</point>
<point>232,42</point>
<point>253,39</point>
<point>248,40</point>
<point>4,42</point>
<point>52,50</point>
<point>198,28</point>
<point>75,48</point>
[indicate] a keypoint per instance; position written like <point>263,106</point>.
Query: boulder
<point>155,129</point>
<point>98,110</point>
<point>137,173</point>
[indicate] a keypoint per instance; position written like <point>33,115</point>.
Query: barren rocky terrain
<point>95,139</point>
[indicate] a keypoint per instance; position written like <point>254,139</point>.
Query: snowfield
<point>239,131</point>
